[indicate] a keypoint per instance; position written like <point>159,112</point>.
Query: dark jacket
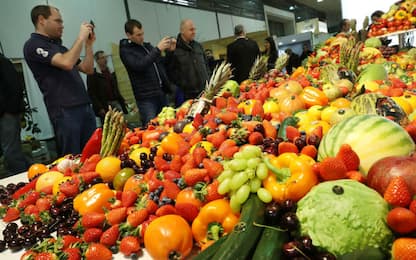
<point>271,60</point>
<point>145,68</point>
<point>187,67</point>
<point>97,90</point>
<point>241,54</point>
<point>11,88</point>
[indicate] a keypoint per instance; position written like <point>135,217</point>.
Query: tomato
<point>136,183</point>
<point>187,196</point>
<point>122,176</point>
<point>390,24</point>
<point>397,22</point>
<point>392,29</point>
<point>291,104</point>
<point>168,237</point>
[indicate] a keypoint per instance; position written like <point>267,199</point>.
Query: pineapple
<point>258,69</point>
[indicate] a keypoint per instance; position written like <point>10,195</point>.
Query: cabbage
<point>373,42</point>
<point>372,72</point>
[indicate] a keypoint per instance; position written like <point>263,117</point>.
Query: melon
<point>372,137</point>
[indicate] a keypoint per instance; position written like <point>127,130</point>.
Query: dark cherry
<point>291,249</point>
<point>289,206</point>
<point>22,230</point>
<point>259,128</point>
<point>307,245</point>
<point>2,245</point>
<point>20,185</point>
<point>325,256</point>
<point>29,242</point>
<point>12,226</point>
<point>54,211</point>
<point>272,213</point>
<point>14,245</point>
<point>289,221</point>
<point>143,156</point>
<point>11,187</point>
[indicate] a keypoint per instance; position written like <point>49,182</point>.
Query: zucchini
<point>209,252</point>
<point>270,244</point>
<point>288,121</point>
<point>242,240</point>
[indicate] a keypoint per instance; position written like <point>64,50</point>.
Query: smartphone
<point>93,26</point>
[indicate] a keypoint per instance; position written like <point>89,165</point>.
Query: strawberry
<point>171,175</point>
<point>161,164</point>
<point>220,102</point>
<point>151,206</point>
<point>116,216</point>
<point>230,151</point>
<point>401,220</point>
<point>129,245</point>
<point>92,219</point>
<point>187,210</point>
<point>137,217</point>
<point>110,236</point>
<point>70,188</point>
<point>404,248</point>
<point>85,177</point>
<point>214,168</point>
<point>309,150</point>
<point>170,189</point>
<point>128,198</point>
<point>165,210</point>
<point>217,138</point>
<point>255,138</point>
<point>43,204</point>
<point>287,147</point>
<point>412,206</point>
<point>356,175</point>
<point>98,251</point>
<point>69,240</point>
<point>195,137</point>
<point>46,256</point>
<point>291,133</point>
<point>349,157</point>
<point>199,153</point>
<point>257,109</point>
<point>227,116</point>
<point>189,164</point>
<point>92,235</point>
<point>30,199</point>
<point>72,253</point>
<point>194,175</point>
<point>397,192</point>
<point>28,255</point>
<point>176,163</point>
<point>212,191</point>
<point>12,214</point>
<point>332,168</point>
<point>198,121</point>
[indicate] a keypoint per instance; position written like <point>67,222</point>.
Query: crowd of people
<point>176,66</point>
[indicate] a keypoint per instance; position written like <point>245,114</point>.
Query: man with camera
<point>56,70</point>
<point>145,68</point>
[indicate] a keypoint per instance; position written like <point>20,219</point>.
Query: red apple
<point>386,168</point>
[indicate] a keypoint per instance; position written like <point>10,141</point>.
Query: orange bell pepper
<point>215,219</point>
<point>94,199</point>
<point>290,176</point>
<point>313,96</point>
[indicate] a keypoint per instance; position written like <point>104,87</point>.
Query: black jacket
<point>241,54</point>
<point>11,88</point>
<point>97,90</point>
<point>187,67</point>
<point>145,68</point>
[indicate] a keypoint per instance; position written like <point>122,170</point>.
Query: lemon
<point>46,181</point>
<point>135,154</point>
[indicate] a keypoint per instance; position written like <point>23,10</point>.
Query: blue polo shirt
<point>60,88</point>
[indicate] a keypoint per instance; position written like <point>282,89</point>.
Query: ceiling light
<point>291,7</point>
<point>319,1</point>
<point>280,43</point>
<point>293,40</point>
<point>298,17</point>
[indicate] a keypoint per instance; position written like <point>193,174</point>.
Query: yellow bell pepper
<point>95,199</point>
<point>214,220</point>
<point>290,176</point>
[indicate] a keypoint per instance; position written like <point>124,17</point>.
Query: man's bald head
<point>187,30</point>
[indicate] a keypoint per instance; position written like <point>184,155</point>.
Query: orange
<point>47,180</point>
<point>36,169</point>
<point>108,167</point>
<point>134,183</point>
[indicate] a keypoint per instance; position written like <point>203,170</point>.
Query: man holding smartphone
<point>56,70</point>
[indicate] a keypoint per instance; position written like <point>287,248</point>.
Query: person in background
<point>241,53</point>
<point>56,70</point>
<point>11,109</point>
<point>210,59</point>
<point>292,62</point>
<point>270,52</point>
<point>305,53</point>
<point>145,69</point>
<point>345,26</point>
<point>103,88</point>
<point>187,65</point>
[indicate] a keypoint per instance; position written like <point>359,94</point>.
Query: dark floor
<point>45,154</point>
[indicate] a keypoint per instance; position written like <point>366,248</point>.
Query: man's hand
<point>85,30</point>
<point>172,46</point>
<point>164,43</point>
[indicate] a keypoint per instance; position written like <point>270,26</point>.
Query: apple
<point>382,171</point>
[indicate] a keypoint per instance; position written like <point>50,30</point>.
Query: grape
<point>234,204</point>
<point>238,180</point>
<point>224,186</point>
<point>264,195</point>
<point>255,184</point>
<point>262,171</point>
<point>252,163</point>
<point>225,174</point>
<point>250,173</point>
<point>239,155</point>
<point>226,165</point>
<point>238,164</point>
<point>242,193</point>
<point>251,151</point>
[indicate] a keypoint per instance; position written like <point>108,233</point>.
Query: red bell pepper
<point>28,187</point>
<point>93,145</point>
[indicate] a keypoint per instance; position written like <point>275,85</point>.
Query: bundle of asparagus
<point>113,132</point>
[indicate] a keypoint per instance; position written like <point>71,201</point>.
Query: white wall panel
<point>169,19</point>
<point>146,13</point>
<point>226,25</point>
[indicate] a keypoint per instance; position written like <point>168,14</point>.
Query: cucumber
<point>242,240</point>
<point>209,252</point>
<point>270,244</point>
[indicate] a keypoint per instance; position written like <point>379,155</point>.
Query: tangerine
<point>36,169</point>
<point>108,167</point>
<point>134,183</point>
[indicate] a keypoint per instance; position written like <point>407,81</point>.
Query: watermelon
<point>372,137</point>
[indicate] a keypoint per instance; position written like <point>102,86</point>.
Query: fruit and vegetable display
<point>319,164</point>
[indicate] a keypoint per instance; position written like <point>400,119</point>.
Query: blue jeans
<point>15,160</point>
<point>149,108</point>
<point>73,127</point>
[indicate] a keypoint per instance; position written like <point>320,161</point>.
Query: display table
<point>8,254</point>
